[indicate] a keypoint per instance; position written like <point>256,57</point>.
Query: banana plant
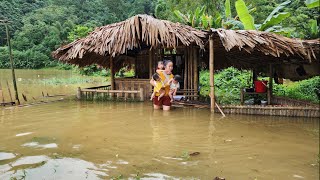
<point>271,23</point>
<point>313,29</point>
<point>244,15</point>
<point>191,19</point>
<point>312,3</point>
<point>199,19</point>
<point>275,17</point>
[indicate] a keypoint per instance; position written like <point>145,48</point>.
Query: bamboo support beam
<point>185,78</point>
<point>12,65</point>
<point>150,64</point>
<point>112,73</point>
<point>110,91</point>
<point>79,93</point>
<point>2,95</point>
<point>9,91</point>
<point>211,68</point>
<point>270,84</point>
<point>141,94</point>
<point>195,71</point>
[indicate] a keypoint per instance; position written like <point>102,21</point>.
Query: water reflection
<point>43,167</point>
<point>79,140</point>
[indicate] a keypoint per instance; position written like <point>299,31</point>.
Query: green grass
<point>228,83</point>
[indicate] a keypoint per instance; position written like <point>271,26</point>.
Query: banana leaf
<point>312,3</point>
<point>244,15</point>
<point>276,19</point>
<point>228,8</point>
<point>181,17</point>
<point>313,26</point>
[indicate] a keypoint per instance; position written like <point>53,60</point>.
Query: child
<point>174,86</point>
<point>160,66</point>
<point>158,87</point>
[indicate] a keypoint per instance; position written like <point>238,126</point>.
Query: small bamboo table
<point>243,93</point>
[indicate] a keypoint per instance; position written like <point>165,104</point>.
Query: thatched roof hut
<point>142,39</point>
<point>250,49</point>
<point>128,37</point>
<point>256,47</point>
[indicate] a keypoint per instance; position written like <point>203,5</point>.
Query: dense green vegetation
<point>228,83</point>
<point>40,26</point>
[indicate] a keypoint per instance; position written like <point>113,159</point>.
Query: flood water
<point>107,140</point>
<point>35,84</point>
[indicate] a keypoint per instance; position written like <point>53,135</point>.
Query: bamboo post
<point>112,73</point>
<point>79,93</point>
<point>189,67</point>
<point>195,71</point>
<point>2,93</point>
<point>211,68</point>
<point>270,84</point>
<point>185,81</point>
<point>141,94</point>
<point>12,65</point>
<point>135,67</point>
<point>150,64</point>
<point>191,70</point>
<point>220,109</point>
<point>9,92</point>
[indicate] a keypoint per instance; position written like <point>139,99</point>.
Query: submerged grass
<point>72,80</point>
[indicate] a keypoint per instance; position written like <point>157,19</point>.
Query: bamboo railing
<point>105,92</point>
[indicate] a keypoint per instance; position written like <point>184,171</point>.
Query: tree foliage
<point>39,27</point>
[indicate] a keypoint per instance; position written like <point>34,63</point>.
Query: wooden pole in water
<point>2,93</point>
<point>185,78</point>
<point>150,63</point>
<point>195,71</point>
<point>270,84</point>
<point>9,90</point>
<point>12,64</point>
<point>111,73</point>
<point>211,68</point>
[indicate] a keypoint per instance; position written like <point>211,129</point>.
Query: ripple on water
<point>23,134</point>
<point>6,156</point>
<point>37,145</point>
<point>64,168</point>
<point>155,176</point>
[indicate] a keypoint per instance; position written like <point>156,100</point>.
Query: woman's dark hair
<point>166,62</point>
<point>155,76</point>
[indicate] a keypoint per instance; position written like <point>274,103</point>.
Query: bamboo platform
<point>271,110</point>
<point>7,103</point>
<point>105,92</point>
<point>287,111</point>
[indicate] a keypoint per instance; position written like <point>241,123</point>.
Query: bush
<point>28,59</point>
<point>308,90</point>
<point>228,83</point>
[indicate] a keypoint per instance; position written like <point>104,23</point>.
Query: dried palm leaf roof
<point>268,44</point>
<point>134,33</point>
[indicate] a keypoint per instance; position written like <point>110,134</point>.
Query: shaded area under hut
<point>143,40</point>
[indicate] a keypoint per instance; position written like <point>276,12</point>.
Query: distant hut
<point>143,40</point>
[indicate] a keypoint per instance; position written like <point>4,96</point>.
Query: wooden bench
<point>243,93</point>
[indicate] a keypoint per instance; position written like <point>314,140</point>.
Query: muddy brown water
<point>104,140</point>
